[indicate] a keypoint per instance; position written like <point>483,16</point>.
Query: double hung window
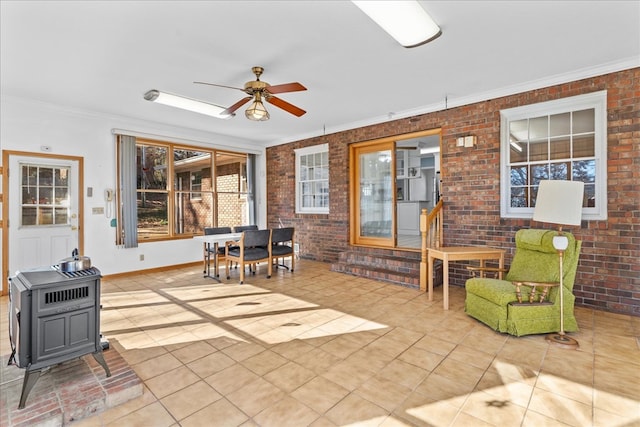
<point>312,179</point>
<point>556,140</point>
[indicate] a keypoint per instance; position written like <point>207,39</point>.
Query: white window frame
<point>300,152</point>
<point>195,194</point>
<point>595,100</point>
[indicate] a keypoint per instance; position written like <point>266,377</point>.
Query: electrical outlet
<point>141,257</point>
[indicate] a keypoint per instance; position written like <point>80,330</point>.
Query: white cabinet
<point>402,161</point>
<point>407,164</point>
<point>408,217</point>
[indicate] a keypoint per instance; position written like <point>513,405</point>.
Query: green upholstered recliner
<point>495,303</point>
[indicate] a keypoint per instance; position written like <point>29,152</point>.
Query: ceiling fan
<point>259,91</point>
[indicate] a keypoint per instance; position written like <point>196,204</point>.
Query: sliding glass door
<point>373,203</point>
<point>392,180</point>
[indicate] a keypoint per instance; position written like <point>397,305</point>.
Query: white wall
<point>26,126</point>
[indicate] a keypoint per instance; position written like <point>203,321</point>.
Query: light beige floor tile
<point>134,351</point>
<point>440,388</point>
<point>153,415</point>
<point>535,419</point>
<point>190,399</point>
<point>293,349</point>
<point>517,392</point>
<point>421,358</point>
<point>615,376</point>
<point>128,407</point>
<point>320,394</point>
<point>264,362</point>
<point>605,419</point>
<point>255,396</point>
<point>171,381</point>
<point>388,346</point>
<point>392,421</point>
<point>317,360</point>
<point>354,409</point>
<point>473,356</point>
<point>459,372</point>
<point>287,412</point>
<point>435,345</point>
<point>341,347</point>
<point>403,373</point>
<point>383,392</point>
<point>466,420</point>
<point>493,410</point>
<point>231,378</point>
<point>209,365</point>
<point>617,403</point>
<point>348,375</point>
<point>421,410</point>
<point>350,350</point>
<point>566,388</point>
<point>575,366</point>
<point>403,335</point>
<point>370,359</point>
<point>158,365</point>
<point>193,351</point>
<point>243,350</point>
<point>561,408</point>
<point>290,376</point>
<point>219,414</point>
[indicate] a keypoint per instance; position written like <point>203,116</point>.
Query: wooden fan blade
<point>286,106</point>
<point>237,105</point>
<point>213,84</point>
<point>286,87</point>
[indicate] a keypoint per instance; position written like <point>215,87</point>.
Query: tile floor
<point>318,348</point>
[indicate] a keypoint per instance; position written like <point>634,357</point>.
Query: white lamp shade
<point>559,202</point>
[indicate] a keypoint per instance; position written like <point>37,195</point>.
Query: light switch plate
<point>470,141</point>
<point>460,142</point>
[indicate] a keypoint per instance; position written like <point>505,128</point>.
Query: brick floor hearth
<point>68,392</point>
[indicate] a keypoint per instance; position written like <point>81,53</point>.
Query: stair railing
<point>432,237</point>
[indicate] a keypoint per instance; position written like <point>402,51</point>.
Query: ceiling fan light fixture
<point>405,21</point>
<point>256,110</point>
<point>185,103</point>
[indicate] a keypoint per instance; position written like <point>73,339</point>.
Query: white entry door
<point>44,195</point>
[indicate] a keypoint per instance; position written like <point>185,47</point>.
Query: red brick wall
<point>609,270</point>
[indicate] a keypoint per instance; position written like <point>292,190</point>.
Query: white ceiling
<point>103,56</point>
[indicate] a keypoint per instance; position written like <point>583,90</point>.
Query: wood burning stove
<point>54,316</point>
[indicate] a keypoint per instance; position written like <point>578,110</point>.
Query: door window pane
<point>44,195</point>
<point>376,197</point>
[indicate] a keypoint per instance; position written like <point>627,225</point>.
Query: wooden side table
<point>458,253</point>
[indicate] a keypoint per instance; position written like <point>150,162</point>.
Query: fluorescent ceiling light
<point>429,150</point>
<point>405,21</point>
<point>186,104</point>
<point>516,146</point>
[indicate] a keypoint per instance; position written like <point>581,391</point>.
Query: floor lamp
<point>560,202</point>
